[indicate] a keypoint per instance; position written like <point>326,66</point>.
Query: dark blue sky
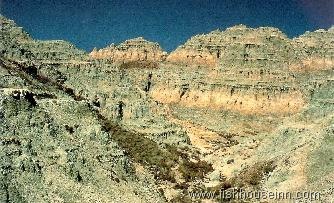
<point>98,23</point>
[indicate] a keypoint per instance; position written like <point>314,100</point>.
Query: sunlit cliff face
<point>137,49</point>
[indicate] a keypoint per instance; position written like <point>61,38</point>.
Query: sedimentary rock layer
<point>137,49</point>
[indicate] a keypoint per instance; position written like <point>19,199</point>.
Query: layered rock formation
<point>238,108</point>
<point>234,46</point>
<point>137,49</point>
<point>248,70</point>
<point>315,51</point>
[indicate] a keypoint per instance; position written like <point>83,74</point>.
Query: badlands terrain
<point>243,108</point>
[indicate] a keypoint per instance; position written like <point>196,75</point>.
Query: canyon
<point>242,108</point>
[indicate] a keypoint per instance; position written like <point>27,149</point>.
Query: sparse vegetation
<point>252,176</point>
<point>194,170</point>
<point>139,64</point>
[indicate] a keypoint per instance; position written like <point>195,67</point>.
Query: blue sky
<point>98,23</point>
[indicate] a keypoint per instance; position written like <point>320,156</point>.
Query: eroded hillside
<point>244,107</point>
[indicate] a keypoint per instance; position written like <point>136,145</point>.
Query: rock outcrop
<point>137,49</point>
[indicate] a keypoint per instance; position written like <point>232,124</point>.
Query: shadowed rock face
<point>243,108</point>
<point>137,49</point>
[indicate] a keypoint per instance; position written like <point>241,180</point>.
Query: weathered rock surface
<point>137,49</point>
<point>244,107</point>
<point>315,51</point>
<point>240,46</point>
<point>55,150</point>
<point>235,45</point>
